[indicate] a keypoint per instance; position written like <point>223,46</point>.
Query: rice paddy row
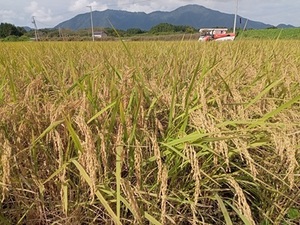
<point>150,132</point>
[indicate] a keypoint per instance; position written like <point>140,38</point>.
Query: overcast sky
<point>49,13</point>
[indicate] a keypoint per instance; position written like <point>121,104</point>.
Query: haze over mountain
<point>191,15</point>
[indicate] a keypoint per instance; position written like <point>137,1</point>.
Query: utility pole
<point>245,25</point>
<point>35,29</point>
<point>60,32</point>
<point>91,11</point>
<point>235,15</point>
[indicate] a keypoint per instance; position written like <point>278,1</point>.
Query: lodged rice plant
<point>150,133</point>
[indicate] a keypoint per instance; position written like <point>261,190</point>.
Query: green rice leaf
<point>243,217</point>
<point>265,91</point>
<point>119,150</point>
<point>151,219</point>
<point>100,197</point>
<point>74,136</point>
<point>101,111</point>
<point>284,106</point>
<point>224,210</point>
<point>48,129</point>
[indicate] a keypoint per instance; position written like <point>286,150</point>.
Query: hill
<point>285,26</point>
<point>192,15</point>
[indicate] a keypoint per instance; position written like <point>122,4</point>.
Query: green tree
<point>134,31</point>
<point>7,29</point>
<point>169,28</point>
<point>185,29</point>
<point>162,27</point>
<point>114,32</point>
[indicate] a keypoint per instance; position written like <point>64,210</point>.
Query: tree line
<point>7,29</point>
<point>12,32</point>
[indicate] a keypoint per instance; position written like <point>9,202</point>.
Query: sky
<point>49,13</point>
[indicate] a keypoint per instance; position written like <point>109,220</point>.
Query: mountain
<point>285,26</point>
<point>27,28</point>
<point>192,15</point>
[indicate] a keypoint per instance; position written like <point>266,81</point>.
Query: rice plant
<point>150,132</point>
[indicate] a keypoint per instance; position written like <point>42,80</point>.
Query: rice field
<point>150,133</point>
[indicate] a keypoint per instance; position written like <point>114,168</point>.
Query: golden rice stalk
<point>131,196</point>
<point>103,153</point>
<point>203,99</point>
<point>163,194</point>
<point>162,178</point>
<point>222,148</point>
<point>5,162</point>
<point>88,158</point>
<point>238,109</point>
<point>192,156</point>
<point>156,151</point>
<point>58,147</point>
<point>104,202</point>
<point>137,164</point>
<point>119,151</point>
<point>241,145</point>
<point>33,89</point>
<point>202,121</point>
<point>286,148</point>
<point>292,159</point>
<point>242,203</point>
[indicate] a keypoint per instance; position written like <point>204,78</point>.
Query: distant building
<point>100,34</point>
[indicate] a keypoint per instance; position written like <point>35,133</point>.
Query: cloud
<point>79,5</point>
<point>166,5</point>
<point>7,15</point>
<point>43,14</point>
<point>147,6</point>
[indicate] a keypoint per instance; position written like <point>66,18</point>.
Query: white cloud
<point>7,15</point>
<point>136,6</point>
<point>79,5</point>
<point>42,14</point>
<point>52,12</point>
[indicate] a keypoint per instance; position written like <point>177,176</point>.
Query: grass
<point>271,34</point>
<point>150,132</point>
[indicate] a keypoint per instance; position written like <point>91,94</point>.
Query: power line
<point>48,25</point>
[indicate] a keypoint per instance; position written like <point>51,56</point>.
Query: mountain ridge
<point>193,15</point>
